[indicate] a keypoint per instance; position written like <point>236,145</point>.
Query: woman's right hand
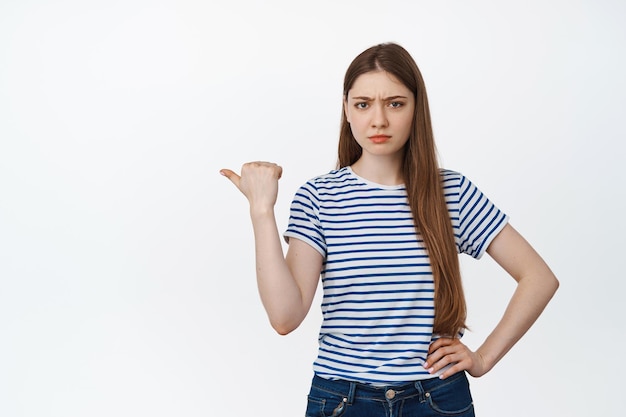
<point>258,182</point>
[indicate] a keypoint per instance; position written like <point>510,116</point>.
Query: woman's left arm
<point>536,284</point>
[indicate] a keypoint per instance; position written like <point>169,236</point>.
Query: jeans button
<point>390,394</point>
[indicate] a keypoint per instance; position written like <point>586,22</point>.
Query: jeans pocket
<point>321,404</point>
<point>452,397</point>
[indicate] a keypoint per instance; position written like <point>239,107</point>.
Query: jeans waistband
<point>351,390</point>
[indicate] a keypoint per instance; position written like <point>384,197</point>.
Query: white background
<point>127,281</point>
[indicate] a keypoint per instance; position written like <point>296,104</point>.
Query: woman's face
<point>380,111</point>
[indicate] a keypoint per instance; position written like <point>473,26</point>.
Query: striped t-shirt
<point>378,303</point>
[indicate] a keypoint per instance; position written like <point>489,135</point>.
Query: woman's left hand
<point>446,351</point>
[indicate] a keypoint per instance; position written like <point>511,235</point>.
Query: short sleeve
<point>304,222</point>
<point>480,220</point>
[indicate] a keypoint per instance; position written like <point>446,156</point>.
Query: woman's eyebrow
<point>386,98</point>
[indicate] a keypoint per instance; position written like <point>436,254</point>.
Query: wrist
<point>488,361</point>
<point>259,212</point>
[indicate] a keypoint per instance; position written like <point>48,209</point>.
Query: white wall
<point>126,262</point>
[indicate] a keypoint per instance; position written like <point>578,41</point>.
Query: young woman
<point>384,231</point>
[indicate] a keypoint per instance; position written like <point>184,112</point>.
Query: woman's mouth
<point>379,138</point>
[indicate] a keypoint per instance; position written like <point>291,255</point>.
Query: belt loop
<point>352,392</point>
<point>420,391</point>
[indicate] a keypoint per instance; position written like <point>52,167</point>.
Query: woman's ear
<point>345,109</point>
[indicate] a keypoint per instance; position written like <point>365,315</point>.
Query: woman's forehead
<point>377,83</point>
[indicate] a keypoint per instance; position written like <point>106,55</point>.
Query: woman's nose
<point>379,116</point>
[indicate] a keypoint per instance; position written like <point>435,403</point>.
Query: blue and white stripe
<point>378,305</point>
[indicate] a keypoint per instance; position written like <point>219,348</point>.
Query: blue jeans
<point>426,398</point>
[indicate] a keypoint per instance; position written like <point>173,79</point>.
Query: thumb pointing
<point>234,178</point>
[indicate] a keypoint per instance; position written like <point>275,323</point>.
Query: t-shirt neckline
<point>374,184</point>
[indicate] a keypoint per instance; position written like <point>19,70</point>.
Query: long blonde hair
<point>422,180</point>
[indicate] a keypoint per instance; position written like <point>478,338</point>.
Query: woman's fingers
<point>446,351</point>
<point>258,182</point>
<point>436,353</point>
<point>443,341</point>
<point>261,166</point>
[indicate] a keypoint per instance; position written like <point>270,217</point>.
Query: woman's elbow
<point>283,331</point>
<point>549,284</point>
<point>555,284</point>
<point>284,328</point>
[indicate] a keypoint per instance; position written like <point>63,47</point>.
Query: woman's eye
<point>396,104</point>
<point>362,105</point>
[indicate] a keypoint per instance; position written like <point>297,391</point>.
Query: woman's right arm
<point>286,285</point>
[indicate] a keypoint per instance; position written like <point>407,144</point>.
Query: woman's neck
<point>384,171</point>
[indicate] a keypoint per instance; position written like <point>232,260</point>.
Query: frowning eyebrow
<point>365,98</point>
